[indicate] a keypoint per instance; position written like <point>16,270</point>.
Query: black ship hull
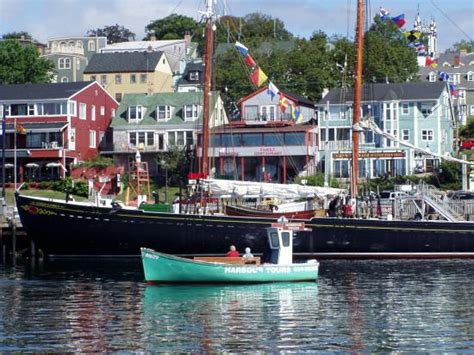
<point>73,229</point>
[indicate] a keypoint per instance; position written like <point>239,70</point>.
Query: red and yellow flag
<point>258,77</point>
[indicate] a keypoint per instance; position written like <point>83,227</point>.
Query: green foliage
<point>177,162</point>
<point>63,184</point>
<point>98,162</point>
<point>387,56</point>
<point>17,35</point>
<point>463,44</point>
<point>318,180</point>
<point>45,185</point>
<point>467,131</point>
<point>21,64</point>
<point>114,33</point>
<point>173,26</point>
<point>81,189</point>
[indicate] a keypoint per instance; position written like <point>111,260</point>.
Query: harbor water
<point>370,306</point>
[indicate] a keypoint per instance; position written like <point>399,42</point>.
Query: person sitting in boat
<point>248,253</point>
<point>233,252</point>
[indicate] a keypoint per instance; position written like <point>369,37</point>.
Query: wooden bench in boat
<point>229,260</point>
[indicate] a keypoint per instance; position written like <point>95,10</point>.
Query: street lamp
<point>164,164</point>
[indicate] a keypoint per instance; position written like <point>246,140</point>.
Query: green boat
<point>160,267</point>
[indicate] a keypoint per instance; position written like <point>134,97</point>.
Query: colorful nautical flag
<point>443,76</point>
<point>249,61</point>
<point>299,117</point>
<point>428,61</point>
<point>258,77</point>
<point>272,90</point>
<point>383,14</point>
<point>293,111</point>
<point>283,102</point>
<point>20,129</point>
<point>412,35</point>
<point>399,20</point>
<point>453,90</point>
<point>241,48</point>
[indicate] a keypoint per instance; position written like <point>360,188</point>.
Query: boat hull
<point>159,267</point>
<point>68,229</point>
<point>252,212</point>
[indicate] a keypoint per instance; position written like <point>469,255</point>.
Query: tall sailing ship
<point>62,228</point>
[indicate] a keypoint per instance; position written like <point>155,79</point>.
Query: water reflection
<point>205,318</point>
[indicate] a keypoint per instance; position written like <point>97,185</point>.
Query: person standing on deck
<point>233,252</point>
<point>248,254</point>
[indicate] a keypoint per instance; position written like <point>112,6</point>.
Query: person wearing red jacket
<point>233,252</point>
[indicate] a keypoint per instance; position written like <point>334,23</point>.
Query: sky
<point>60,18</point>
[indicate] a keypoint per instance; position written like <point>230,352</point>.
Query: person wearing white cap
<point>248,254</point>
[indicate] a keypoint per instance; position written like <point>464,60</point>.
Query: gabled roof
<point>123,62</point>
<point>175,99</point>
<point>192,67</point>
<point>388,92</point>
<point>41,91</point>
<point>290,95</point>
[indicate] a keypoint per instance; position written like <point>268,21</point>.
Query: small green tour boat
<point>160,267</point>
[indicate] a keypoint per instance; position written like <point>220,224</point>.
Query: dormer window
<point>426,108</point>
<point>433,77</point>
<point>194,75</point>
<point>191,112</point>
<point>470,76</point>
<point>135,113</point>
<point>163,113</point>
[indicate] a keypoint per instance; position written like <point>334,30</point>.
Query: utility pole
<point>4,141</point>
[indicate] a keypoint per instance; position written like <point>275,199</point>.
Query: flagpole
<point>4,141</point>
<point>14,155</point>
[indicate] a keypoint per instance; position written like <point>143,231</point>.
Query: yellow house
<point>131,72</point>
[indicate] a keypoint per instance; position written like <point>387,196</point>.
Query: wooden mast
<point>357,97</point>
<point>207,89</point>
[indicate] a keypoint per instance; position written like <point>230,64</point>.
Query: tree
<point>17,35</point>
<point>173,26</point>
<point>468,46</point>
<point>114,34</point>
<point>387,56</point>
<point>21,64</point>
<point>177,163</point>
<point>257,25</point>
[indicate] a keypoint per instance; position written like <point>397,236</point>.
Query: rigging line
<point>450,20</point>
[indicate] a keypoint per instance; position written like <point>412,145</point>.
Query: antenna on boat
<point>208,14</point>
<point>357,98</point>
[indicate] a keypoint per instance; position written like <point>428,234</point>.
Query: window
<point>82,111</point>
<point>103,79</point>
<point>64,79</point>
<point>102,110</point>
<point>161,141</point>
<point>341,169</point>
<point>294,138</point>
<point>389,111</point>
<point>31,110</point>
<point>58,108</point>
<point>406,134</point>
<point>426,135</point>
<point>67,63</point>
<point>118,96</point>
<point>92,139</point>
<point>405,109</point>
<point>471,110</point>
<point>470,76</point>
<point>93,113</point>
<point>118,79</point>
<point>143,78</point>
<point>194,75</point>
<point>93,77</point>
<point>72,108</point>
<point>190,112</point>
<point>133,78</point>
<point>426,108</point>
<point>61,63</point>
<point>433,77</point>
<point>267,113</point>
<point>135,113</point>
<point>164,112</point>
<point>91,46</point>
<point>78,64</point>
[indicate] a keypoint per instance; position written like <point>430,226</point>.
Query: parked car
<point>467,143</point>
<point>461,195</point>
<point>391,195</point>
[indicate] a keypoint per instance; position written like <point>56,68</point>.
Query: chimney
<point>187,38</point>
<point>457,60</point>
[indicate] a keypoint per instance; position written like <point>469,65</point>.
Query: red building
<point>57,124</point>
